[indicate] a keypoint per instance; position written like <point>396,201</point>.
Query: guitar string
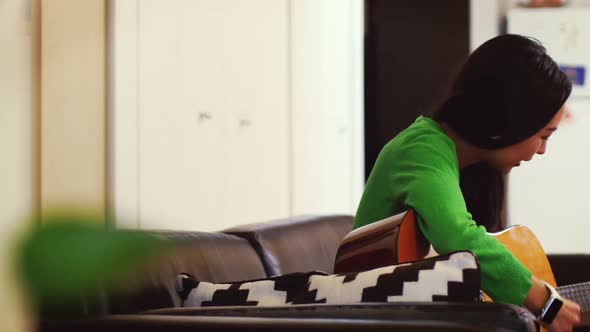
<point>578,293</point>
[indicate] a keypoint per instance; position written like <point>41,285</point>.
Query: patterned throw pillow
<point>452,277</point>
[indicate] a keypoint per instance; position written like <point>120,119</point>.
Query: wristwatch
<point>552,306</point>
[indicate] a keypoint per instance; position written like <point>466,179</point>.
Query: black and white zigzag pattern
<point>453,277</point>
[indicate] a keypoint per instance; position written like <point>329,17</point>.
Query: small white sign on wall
<point>565,33</point>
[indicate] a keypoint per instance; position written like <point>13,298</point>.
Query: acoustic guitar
<point>398,239</point>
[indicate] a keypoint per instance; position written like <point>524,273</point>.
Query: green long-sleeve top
<point>419,169</point>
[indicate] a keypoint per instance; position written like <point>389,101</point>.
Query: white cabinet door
<point>234,111</point>
<point>161,120</point>
<point>205,117</point>
<point>255,76</point>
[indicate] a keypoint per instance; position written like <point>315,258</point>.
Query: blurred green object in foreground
<point>71,255</point>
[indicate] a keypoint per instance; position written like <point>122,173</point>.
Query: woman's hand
<point>567,317</point>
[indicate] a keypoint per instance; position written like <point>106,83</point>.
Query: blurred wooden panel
<point>72,105</point>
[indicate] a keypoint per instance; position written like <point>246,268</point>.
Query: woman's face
<point>506,158</point>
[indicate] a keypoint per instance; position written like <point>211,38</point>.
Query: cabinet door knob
<point>204,116</point>
<point>245,123</point>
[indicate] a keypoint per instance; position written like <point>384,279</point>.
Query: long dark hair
<point>507,91</point>
<point>484,190</point>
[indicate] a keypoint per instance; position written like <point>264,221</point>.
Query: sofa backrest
<point>298,244</point>
<point>253,251</point>
<point>213,257</point>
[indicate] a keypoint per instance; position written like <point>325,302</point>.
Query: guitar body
<point>398,239</point>
<point>390,241</point>
<point>525,246</point>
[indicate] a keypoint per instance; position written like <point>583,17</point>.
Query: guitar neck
<point>579,293</point>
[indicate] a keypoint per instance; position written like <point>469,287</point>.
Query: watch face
<point>552,310</point>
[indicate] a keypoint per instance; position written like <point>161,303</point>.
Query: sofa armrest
<point>419,316</point>
<point>482,316</point>
<point>168,323</point>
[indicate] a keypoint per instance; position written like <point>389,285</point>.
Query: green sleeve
<point>443,218</point>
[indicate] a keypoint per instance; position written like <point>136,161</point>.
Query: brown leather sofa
<point>150,302</point>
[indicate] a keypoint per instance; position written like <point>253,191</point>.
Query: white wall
<point>16,146</point>
<point>485,20</point>
<point>327,105</point>
<point>123,112</point>
<point>16,115</point>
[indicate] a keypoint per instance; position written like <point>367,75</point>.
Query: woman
<point>504,105</point>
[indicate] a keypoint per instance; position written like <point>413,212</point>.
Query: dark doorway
<point>412,50</point>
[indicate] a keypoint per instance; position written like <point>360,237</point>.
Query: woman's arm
<point>445,222</point>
